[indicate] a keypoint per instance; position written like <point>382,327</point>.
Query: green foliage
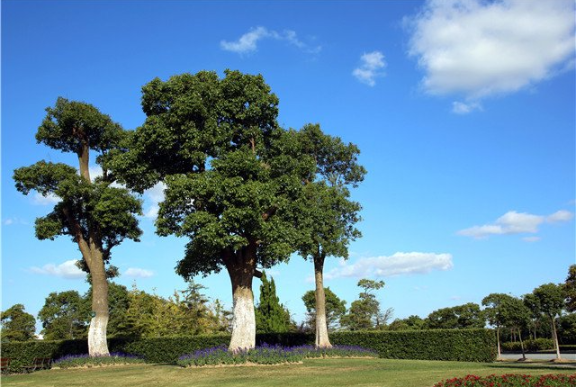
<point>530,345</point>
<point>365,312</point>
<point>412,322</point>
<point>64,316</point>
<point>17,324</point>
<point>570,289</point>
<point>118,303</point>
<point>549,299</point>
<point>271,316</point>
<point>458,345</point>
<point>458,317</point>
<point>567,329</point>
<point>335,308</point>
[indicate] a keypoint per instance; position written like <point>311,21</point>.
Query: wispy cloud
<point>394,265</point>
<point>459,107</point>
<point>480,48</point>
<point>514,222</point>
<point>135,272</point>
<point>371,67</point>
<point>40,200</point>
<point>248,42</point>
<point>154,196</point>
<point>67,270</point>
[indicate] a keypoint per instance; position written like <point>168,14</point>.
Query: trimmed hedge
<point>478,345</point>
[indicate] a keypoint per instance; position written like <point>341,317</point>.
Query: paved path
<point>539,356</point>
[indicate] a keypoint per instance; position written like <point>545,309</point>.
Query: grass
<point>312,373</point>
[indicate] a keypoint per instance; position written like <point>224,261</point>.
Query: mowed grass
<point>311,373</point>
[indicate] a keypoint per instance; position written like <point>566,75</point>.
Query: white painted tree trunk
<point>244,321</point>
<point>322,339</point>
<point>97,345</point>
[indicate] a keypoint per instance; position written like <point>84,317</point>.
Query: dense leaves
<point>17,325</point>
<point>335,308</point>
<point>271,316</point>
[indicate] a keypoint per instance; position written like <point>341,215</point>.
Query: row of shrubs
<point>477,345</point>
<point>510,380</point>
<point>529,345</point>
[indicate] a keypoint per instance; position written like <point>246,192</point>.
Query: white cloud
<point>514,222</point>
<point>138,273</point>
<point>155,195</point>
<point>249,41</point>
<point>370,68</point>
<point>531,239</point>
<point>479,48</point>
<point>67,270</point>
<point>8,222</point>
<point>47,200</point>
<point>396,264</point>
<point>465,107</point>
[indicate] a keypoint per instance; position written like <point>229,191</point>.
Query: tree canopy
<point>17,324</point>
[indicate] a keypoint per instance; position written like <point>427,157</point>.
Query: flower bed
<point>268,354</point>
<point>117,358</point>
<point>511,380</point>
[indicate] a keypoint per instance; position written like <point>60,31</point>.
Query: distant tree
<point>271,316</point>
<point>495,313</point>
<point>234,178</point>
<point>516,316</point>
<point>567,329</point>
<point>410,323</point>
<point>335,308</point>
<point>96,215</point>
<point>330,216</point>
<point>570,289</point>
<point>364,313</point>
<point>550,302</point>
<point>17,325</point>
<point>64,316</point>
<point>458,317</point>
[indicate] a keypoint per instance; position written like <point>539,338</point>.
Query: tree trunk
<point>322,339</point>
<point>97,344</point>
<point>498,340</point>
<point>521,344</point>
<point>241,269</point>
<point>555,337</point>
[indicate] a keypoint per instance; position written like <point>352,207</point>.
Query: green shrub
<point>529,345</point>
<point>510,380</point>
<point>453,344</point>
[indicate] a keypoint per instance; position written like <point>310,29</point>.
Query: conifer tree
<point>271,316</point>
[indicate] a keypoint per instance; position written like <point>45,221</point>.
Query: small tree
<point>271,316</point>
<point>550,302</point>
<point>17,325</point>
<point>335,308</point>
<point>64,316</point>
<point>364,313</point>
<point>570,289</point>
<point>96,215</point>
<point>515,316</point>
<point>494,312</point>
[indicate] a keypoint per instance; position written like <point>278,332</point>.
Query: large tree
<point>330,214</point>
<point>95,214</point>
<point>17,324</point>
<point>233,178</point>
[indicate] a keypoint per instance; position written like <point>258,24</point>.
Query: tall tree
<point>550,302</point>
<point>17,324</point>
<point>64,316</point>
<point>364,313</point>
<point>335,308</point>
<point>271,316</point>
<point>96,215</point>
<point>330,214</point>
<point>570,289</point>
<point>495,313</point>
<point>118,303</point>
<point>233,178</point>
<point>516,316</point>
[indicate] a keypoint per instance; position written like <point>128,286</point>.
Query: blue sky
<point>464,112</point>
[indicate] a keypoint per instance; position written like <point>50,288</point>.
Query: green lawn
<point>313,372</point>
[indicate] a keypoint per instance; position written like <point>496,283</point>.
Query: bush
<point>529,345</point>
<point>510,380</point>
<point>478,345</point>
<point>268,354</point>
<point>72,361</point>
<point>454,344</point>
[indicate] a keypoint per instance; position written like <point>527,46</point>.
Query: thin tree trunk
<point>498,340</point>
<point>97,344</point>
<point>241,269</point>
<point>521,344</point>
<point>555,336</point>
<point>322,339</point>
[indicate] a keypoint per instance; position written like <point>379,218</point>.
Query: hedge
<point>477,345</point>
